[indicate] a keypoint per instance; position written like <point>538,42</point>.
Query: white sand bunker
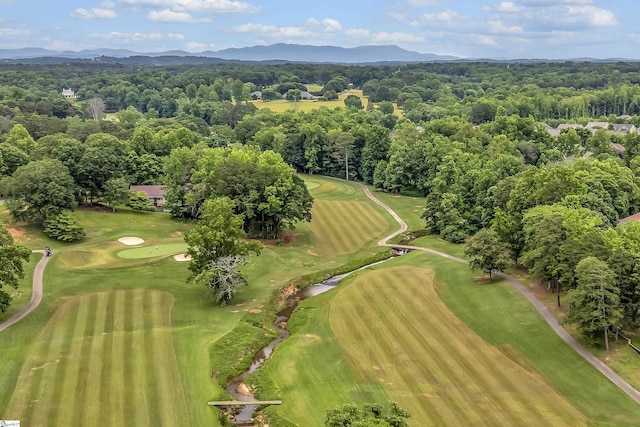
<point>131,241</point>
<point>182,257</point>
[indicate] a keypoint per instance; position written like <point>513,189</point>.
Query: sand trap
<point>131,241</point>
<point>182,257</point>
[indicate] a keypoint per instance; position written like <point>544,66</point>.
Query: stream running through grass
<point>236,386</point>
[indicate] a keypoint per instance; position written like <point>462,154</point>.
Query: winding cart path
<point>546,315</point>
<point>36,297</point>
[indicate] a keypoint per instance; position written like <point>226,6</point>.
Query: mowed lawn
<point>103,358</point>
<point>344,219</point>
<point>394,329</point>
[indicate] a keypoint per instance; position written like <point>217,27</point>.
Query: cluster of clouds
<point>439,26</point>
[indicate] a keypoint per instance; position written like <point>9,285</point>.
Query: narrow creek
<point>236,386</point>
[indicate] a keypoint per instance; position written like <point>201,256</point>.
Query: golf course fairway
<point>394,329</point>
<point>111,356</point>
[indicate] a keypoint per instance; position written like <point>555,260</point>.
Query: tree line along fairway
<point>104,358</point>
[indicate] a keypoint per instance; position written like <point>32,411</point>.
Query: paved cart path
<point>544,312</point>
<point>36,297</point>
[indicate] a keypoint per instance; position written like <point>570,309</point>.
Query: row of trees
<point>547,92</point>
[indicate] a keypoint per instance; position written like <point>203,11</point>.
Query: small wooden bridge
<point>244,402</point>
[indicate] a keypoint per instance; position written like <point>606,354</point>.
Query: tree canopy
<point>12,259</point>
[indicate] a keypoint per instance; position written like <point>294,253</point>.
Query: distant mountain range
<point>275,52</point>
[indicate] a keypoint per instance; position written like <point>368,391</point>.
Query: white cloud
<point>327,25</point>
<point>167,15</point>
<point>596,17</point>
<point>500,28</point>
<point>384,37</point>
<point>95,13</point>
<point>273,30</point>
<point>508,7</point>
<point>545,3</point>
<point>14,32</point>
<point>198,47</point>
<point>331,25</point>
<point>195,6</point>
<point>488,41</point>
<point>359,33</point>
<point>128,38</point>
<point>446,16</point>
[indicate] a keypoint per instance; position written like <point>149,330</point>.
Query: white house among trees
<point>69,93</point>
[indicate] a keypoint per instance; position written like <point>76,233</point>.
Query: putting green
<point>151,251</point>
<point>103,358</point>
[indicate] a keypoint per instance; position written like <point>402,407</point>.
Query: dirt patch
<point>289,236</point>
<point>285,293</point>
<point>176,234</point>
<point>16,233</point>
<point>312,253</point>
<point>255,311</point>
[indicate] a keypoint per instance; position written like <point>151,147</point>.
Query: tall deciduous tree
<point>217,249</point>
<point>38,189</point>
<point>12,258</point>
<point>595,303</point>
<point>487,253</point>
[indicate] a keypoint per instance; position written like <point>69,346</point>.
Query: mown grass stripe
<point>41,404</point>
<point>126,354</point>
<point>360,329</point>
<point>138,387</point>
<point>458,388</point>
<point>69,325</point>
<point>495,390</point>
<point>401,366</point>
<point>109,383</point>
<point>99,374</point>
<point>118,369</point>
<point>84,362</point>
<point>91,415</point>
<point>375,320</point>
<point>508,382</point>
<point>28,387</point>
<point>72,361</point>
<point>155,387</point>
<point>341,227</point>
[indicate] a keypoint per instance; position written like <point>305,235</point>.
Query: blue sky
<point>552,29</point>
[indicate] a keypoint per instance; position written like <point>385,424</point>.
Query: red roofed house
<point>155,193</point>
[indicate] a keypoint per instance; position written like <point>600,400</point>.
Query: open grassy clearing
<point>395,330</point>
<point>281,105</point>
<point>103,358</point>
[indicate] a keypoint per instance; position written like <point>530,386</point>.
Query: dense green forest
<point>473,138</point>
